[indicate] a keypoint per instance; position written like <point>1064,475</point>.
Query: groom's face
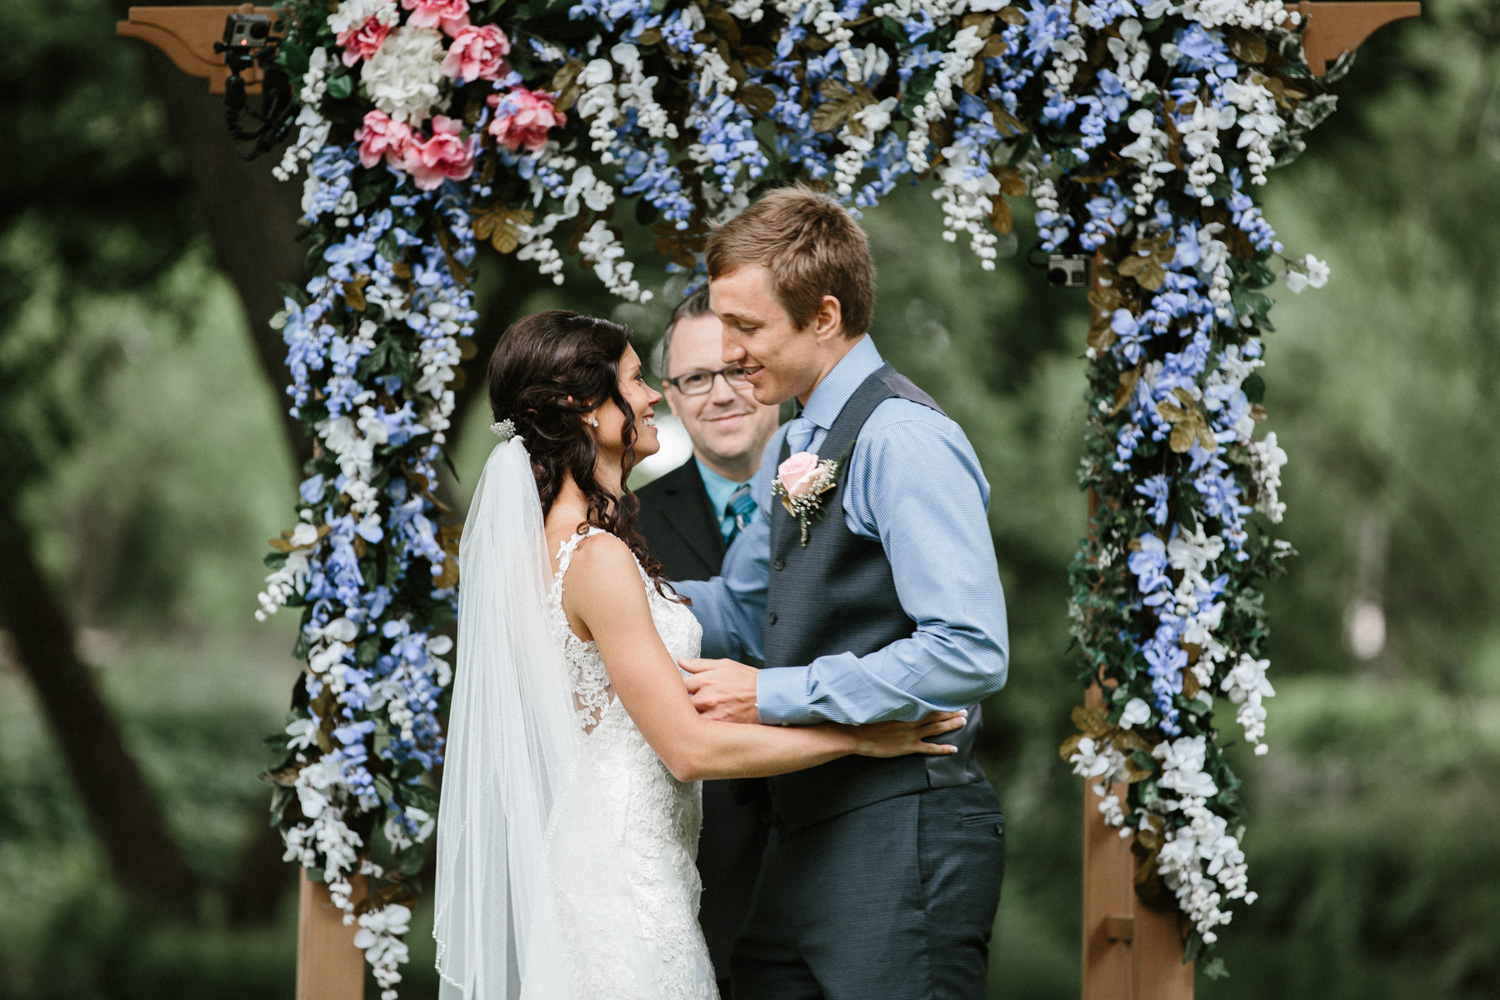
<point>780,360</point>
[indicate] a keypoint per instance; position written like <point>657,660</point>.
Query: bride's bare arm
<point>605,600</point>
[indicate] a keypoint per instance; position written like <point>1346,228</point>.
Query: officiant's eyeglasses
<point>697,383</point>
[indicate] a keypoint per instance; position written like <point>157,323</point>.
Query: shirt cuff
<point>781,697</point>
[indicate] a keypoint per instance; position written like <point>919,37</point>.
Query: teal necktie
<point>741,507</point>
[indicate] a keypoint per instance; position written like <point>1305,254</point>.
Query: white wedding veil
<point>512,750</point>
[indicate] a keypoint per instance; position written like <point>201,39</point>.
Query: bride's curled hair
<point>549,370</point>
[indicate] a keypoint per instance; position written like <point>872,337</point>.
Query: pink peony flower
<point>450,15</point>
<point>523,117</point>
<point>382,136</point>
<point>361,42</point>
<point>444,156</point>
<point>798,473</point>
<point>477,54</point>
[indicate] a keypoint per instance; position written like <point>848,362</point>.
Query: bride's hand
<point>897,739</point>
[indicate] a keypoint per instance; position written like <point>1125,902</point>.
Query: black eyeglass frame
<point>734,386</point>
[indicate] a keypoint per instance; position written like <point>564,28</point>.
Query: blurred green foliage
<point>141,437</point>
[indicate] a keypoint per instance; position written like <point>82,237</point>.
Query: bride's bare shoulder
<point>604,579</point>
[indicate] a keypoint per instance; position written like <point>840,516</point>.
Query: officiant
<point>688,517</point>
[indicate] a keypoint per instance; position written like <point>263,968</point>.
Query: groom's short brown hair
<point>811,245</point>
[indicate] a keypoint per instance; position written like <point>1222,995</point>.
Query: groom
<point>881,878</point>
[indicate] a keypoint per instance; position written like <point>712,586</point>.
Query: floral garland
<point>1139,128</point>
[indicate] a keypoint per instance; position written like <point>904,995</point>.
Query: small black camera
<point>245,36</point>
<point>247,31</point>
<point>1067,271</point>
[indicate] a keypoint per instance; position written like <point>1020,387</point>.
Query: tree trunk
<point>250,219</point>
<point>120,806</point>
<point>261,878</point>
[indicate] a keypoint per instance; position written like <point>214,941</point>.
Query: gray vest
<point>837,595</point>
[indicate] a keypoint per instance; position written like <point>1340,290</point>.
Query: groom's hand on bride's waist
<point>722,690</point>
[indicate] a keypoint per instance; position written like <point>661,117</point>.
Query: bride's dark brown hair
<point>548,371</point>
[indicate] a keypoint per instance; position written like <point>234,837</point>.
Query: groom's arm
<point>732,606</point>
<point>915,485</point>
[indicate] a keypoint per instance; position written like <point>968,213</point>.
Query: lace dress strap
<point>592,691</point>
<point>565,551</point>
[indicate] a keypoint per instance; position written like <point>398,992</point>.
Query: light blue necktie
<point>799,434</point>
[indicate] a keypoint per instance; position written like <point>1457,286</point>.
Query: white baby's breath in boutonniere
<point>801,481</point>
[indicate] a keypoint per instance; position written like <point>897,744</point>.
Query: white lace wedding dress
<point>633,934</point>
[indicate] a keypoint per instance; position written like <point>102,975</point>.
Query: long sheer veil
<point>513,749</point>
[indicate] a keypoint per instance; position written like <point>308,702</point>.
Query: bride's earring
<point>593,421</point>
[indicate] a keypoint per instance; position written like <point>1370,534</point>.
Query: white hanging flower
<point>395,830</point>
<point>1098,759</point>
<point>600,246</point>
<point>313,128</point>
<point>636,90</point>
<point>1259,123</point>
<point>1111,808</point>
<point>1317,272</point>
<point>404,77</point>
<point>1182,766</point>
<point>1256,15</point>
<point>1137,713</point>
<point>379,935</point>
<point>1266,461</point>
<point>1246,686</point>
<point>303,732</point>
<point>748,11</point>
<point>966,191</point>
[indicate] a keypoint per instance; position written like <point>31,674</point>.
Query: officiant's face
<point>728,427</point>
<point>780,360</point>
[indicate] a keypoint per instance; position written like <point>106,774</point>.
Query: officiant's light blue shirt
<point>719,489</point>
<point>913,483</point>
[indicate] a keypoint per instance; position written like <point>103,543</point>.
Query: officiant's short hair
<point>811,245</point>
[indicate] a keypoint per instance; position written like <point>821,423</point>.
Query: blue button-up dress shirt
<point>913,483</point>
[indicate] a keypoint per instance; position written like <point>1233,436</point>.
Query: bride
<point>570,806</point>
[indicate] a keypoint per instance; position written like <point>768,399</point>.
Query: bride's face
<point>641,399</point>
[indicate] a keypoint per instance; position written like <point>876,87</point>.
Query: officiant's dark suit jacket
<point>683,534</point>
<point>679,524</point>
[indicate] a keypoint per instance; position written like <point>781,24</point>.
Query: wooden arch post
<point>1129,952</point>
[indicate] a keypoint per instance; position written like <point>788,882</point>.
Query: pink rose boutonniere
<point>800,483</point>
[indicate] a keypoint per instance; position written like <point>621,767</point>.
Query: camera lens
<point>1057,277</point>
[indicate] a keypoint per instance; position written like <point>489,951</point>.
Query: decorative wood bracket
<point>187,35</point>
<point>1339,27</point>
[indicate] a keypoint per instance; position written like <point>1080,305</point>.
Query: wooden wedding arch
<point>1130,952</point>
